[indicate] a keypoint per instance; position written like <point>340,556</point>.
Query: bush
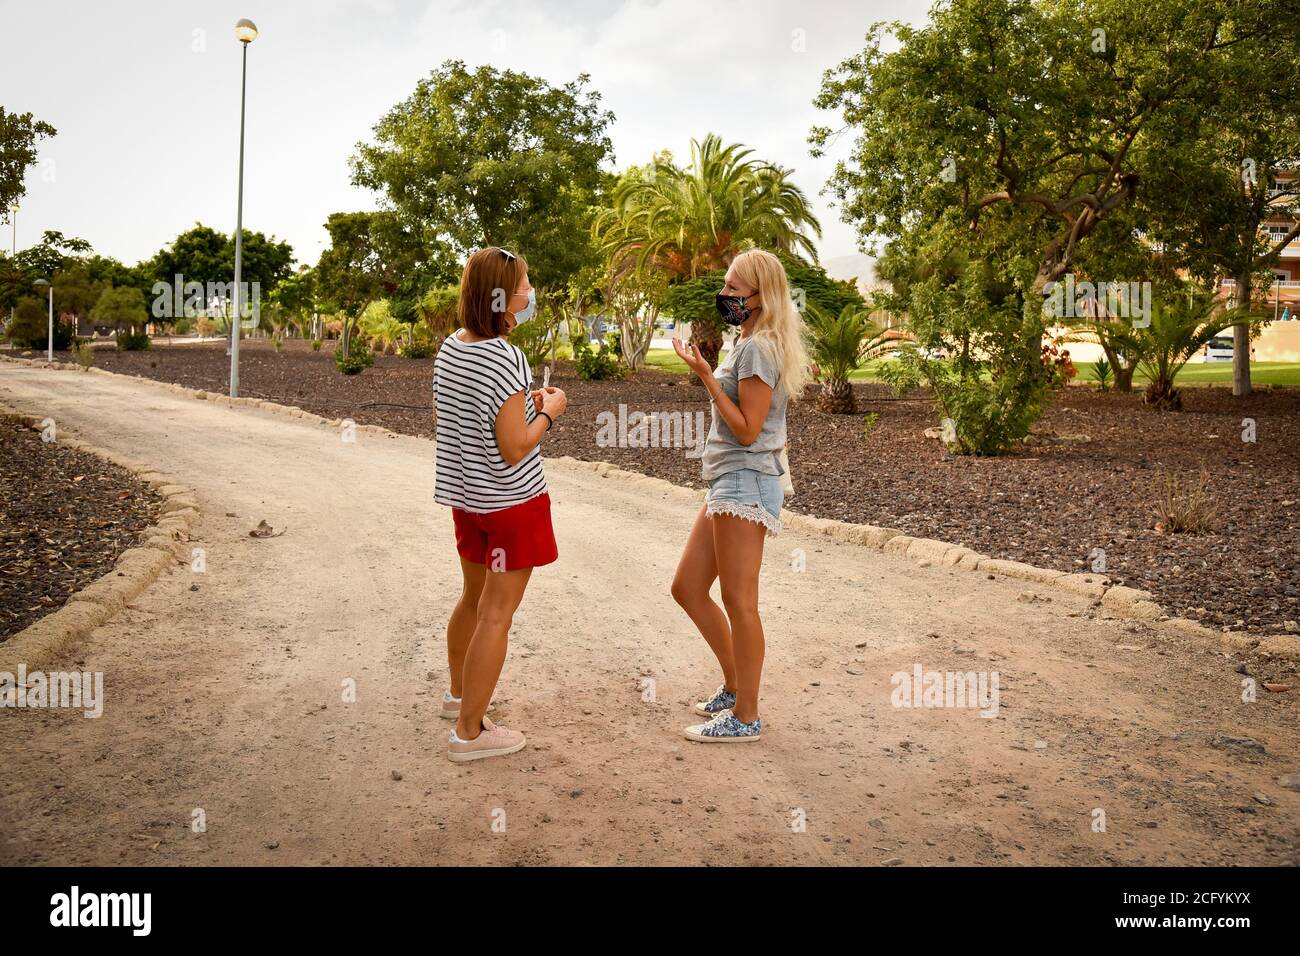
<point>359,358</point>
<point>31,326</point>
<point>83,354</point>
<point>596,365</point>
<point>131,340</point>
<point>1184,507</point>
<point>315,345</point>
<point>416,350</point>
<point>1101,368</point>
<point>1058,365</point>
<point>995,385</point>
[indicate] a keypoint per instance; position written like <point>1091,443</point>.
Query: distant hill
<point>859,267</point>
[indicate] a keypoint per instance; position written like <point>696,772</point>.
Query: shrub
<point>1058,365</point>
<point>1101,368</point>
<point>359,358</point>
<point>995,385</point>
<point>132,340</point>
<point>30,327</point>
<point>1184,507</point>
<point>315,345</point>
<point>416,350</point>
<point>83,354</point>
<point>595,365</point>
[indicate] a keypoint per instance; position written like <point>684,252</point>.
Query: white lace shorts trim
<point>756,513</point>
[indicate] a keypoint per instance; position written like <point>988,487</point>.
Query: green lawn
<point>1216,373</point>
<point>1199,373</point>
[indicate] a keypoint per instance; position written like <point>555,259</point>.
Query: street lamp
<point>13,221</point>
<point>43,285</point>
<point>245,33</point>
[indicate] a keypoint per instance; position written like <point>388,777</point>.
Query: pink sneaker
<point>492,741</point>
<point>451,706</point>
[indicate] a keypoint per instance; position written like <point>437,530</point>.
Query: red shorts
<point>517,537</point>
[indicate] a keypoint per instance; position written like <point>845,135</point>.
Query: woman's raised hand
<point>689,354</point>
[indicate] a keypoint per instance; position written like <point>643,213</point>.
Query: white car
<point>1219,349</point>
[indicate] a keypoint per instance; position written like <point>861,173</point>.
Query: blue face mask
<point>528,311</point>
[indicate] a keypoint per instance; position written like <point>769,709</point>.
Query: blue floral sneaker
<point>721,700</point>
<point>726,729</point>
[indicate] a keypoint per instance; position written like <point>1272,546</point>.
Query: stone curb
<point>135,569</point>
<point>1115,600</point>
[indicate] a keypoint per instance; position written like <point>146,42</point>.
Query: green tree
<point>123,309</point>
<point>492,157</point>
<point>1226,167</point>
<point>54,252</point>
<point>19,134</point>
<point>353,271</point>
<point>295,297</point>
<point>1022,121</point>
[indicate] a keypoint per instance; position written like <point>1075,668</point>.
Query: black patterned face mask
<point>732,308</point>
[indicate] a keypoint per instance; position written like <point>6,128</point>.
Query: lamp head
<point>245,31</point>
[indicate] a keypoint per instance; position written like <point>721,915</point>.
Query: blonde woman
<point>764,371</point>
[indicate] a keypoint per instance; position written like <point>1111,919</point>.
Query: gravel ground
<point>65,517</point>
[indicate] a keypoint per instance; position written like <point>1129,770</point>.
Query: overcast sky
<point>145,96</point>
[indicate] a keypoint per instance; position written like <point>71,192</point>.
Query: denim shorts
<point>747,494</point>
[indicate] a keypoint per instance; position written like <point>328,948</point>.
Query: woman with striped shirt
<point>489,472</point>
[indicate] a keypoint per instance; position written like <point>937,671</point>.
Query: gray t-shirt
<point>723,453</point>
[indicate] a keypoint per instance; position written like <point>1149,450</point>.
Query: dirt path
<point>224,691</point>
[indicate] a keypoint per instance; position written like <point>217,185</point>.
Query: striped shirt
<point>471,381</point>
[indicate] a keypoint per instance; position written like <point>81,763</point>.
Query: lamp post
<point>13,221</point>
<point>246,33</point>
<point>44,285</point>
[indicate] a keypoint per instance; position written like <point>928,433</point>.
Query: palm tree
<point>839,345</point>
<point>689,222</point>
<point>1182,322</point>
<point>686,222</point>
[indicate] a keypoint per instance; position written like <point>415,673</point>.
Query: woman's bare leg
<point>738,556</point>
<point>696,572</point>
<point>500,597</point>
<point>464,618</point>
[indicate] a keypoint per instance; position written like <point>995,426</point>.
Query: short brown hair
<point>490,278</point>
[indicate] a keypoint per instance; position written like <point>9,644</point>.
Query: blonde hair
<point>778,325</point>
